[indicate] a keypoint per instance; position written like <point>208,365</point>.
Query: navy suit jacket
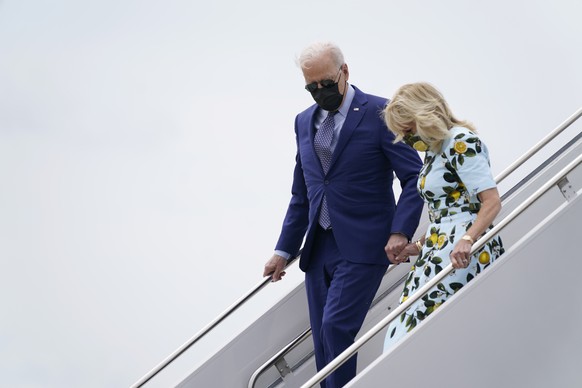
<point>358,186</point>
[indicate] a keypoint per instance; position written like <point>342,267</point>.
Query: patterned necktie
<point>322,144</point>
<point>322,140</point>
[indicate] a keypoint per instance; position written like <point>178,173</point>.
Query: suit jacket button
<point>326,182</point>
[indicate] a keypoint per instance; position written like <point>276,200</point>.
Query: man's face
<point>323,71</point>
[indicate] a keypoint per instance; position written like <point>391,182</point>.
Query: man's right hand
<point>275,267</point>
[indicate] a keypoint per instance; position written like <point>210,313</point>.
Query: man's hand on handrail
<point>275,267</point>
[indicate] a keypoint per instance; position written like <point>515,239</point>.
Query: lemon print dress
<point>449,183</point>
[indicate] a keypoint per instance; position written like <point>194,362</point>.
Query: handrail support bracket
<point>282,367</point>
<point>567,189</point>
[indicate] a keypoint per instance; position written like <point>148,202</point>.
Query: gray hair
<point>316,50</point>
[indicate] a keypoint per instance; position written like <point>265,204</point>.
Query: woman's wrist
<point>418,245</point>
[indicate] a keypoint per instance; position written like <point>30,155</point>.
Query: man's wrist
<point>401,234</point>
<point>283,254</point>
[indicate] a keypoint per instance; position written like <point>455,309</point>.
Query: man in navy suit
<point>343,205</point>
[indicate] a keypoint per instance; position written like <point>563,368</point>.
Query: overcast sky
<point>147,147</point>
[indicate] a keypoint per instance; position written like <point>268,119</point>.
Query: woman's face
<point>413,140</point>
<point>411,130</point>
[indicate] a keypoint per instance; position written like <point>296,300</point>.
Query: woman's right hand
<point>409,250</point>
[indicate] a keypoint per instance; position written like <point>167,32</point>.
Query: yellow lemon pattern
<point>441,240</point>
<point>448,182</point>
<point>420,146</point>
<point>434,238</point>
<point>484,258</point>
<point>460,147</point>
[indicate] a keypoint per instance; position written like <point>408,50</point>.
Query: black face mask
<point>415,142</point>
<point>328,98</point>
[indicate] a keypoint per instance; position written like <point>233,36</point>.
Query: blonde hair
<point>423,105</point>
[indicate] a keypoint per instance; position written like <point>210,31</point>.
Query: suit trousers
<point>339,294</point>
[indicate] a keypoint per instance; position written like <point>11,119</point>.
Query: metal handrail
<point>271,361</point>
<point>543,165</point>
<point>206,329</point>
<point>294,343</point>
<point>550,136</point>
<point>350,351</point>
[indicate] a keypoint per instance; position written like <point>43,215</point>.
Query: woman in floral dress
<point>461,196</point>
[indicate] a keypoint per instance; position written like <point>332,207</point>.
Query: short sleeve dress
<point>449,183</point>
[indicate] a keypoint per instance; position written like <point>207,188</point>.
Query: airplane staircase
<point>492,333</point>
